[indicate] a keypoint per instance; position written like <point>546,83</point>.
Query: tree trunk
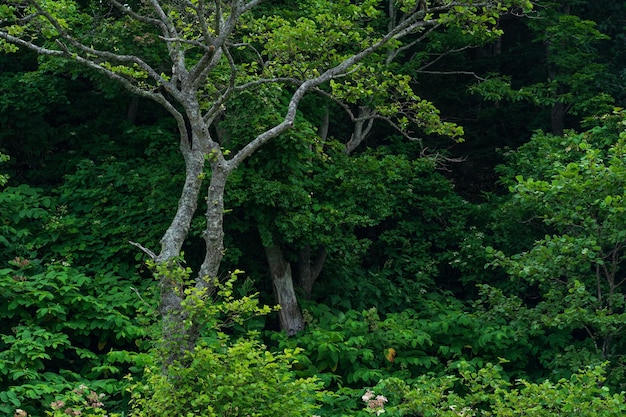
<point>291,320</point>
<point>557,118</point>
<point>309,270</point>
<point>214,231</point>
<point>362,128</point>
<point>176,338</point>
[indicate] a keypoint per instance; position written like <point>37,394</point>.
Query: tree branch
<point>145,250</point>
<point>88,51</point>
<point>125,9</point>
<point>338,70</point>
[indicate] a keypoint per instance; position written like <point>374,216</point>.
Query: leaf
<point>390,354</point>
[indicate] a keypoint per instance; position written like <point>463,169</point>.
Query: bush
<point>224,374</point>
<point>484,392</point>
<point>239,378</point>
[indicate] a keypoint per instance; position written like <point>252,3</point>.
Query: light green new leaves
<point>224,375</point>
<point>7,13</point>
<point>487,392</point>
<point>393,99</point>
<point>322,34</point>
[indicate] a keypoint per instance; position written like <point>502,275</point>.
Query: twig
<point>152,309</point>
<point>145,250</point>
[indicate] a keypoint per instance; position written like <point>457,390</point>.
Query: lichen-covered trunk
<point>214,231</point>
<point>290,316</point>
<point>176,340</point>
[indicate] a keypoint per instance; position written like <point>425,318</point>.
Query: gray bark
<point>214,231</point>
<point>290,317</point>
<point>177,338</point>
<point>362,128</point>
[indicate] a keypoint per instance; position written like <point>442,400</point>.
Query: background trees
<point>358,219</point>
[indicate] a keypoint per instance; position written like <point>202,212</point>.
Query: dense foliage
<point>440,227</point>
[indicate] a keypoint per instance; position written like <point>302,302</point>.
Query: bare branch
<point>199,73</point>
<point>250,5</point>
<point>408,29</point>
<point>473,74</point>
<point>192,42</point>
<point>218,18</point>
<point>217,107</point>
<point>200,10</point>
<point>248,45</point>
<point>145,250</point>
<point>441,56</point>
<point>441,161</point>
<point>139,17</point>
<point>397,127</point>
<point>223,29</point>
<point>168,28</point>
<point>393,54</point>
<point>152,310</point>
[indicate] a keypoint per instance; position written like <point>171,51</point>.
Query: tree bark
<point>309,270</point>
<point>176,338</point>
<point>362,128</point>
<point>214,231</point>
<point>291,320</point>
<point>557,118</point>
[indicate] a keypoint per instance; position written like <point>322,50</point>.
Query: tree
<point>575,268</point>
<point>193,57</point>
<point>571,78</point>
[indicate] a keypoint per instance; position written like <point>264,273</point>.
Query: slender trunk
<point>176,340</point>
<point>310,269</point>
<point>291,320</point>
<point>131,114</point>
<point>322,130</point>
<point>557,118</point>
<point>214,232</point>
<point>175,235</point>
<point>558,110</point>
<point>362,128</point>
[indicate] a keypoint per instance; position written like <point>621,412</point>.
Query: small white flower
<point>367,396</point>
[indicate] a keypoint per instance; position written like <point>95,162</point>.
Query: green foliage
<point>104,205</point>
<point>59,327</point>
<point>396,232</point>
<point>215,307</point>
<point>417,227</point>
<point>355,349</point>
<point>321,192</point>
<point>577,77</point>
<point>225,375</point>
<point>3,177</point>
<point>24,210</point>
<point>80,401</point>
<point>471,391</point>
<point>575,267</point>
<point>322,33</point>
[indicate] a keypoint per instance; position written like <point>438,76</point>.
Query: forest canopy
<point>313,208</point>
